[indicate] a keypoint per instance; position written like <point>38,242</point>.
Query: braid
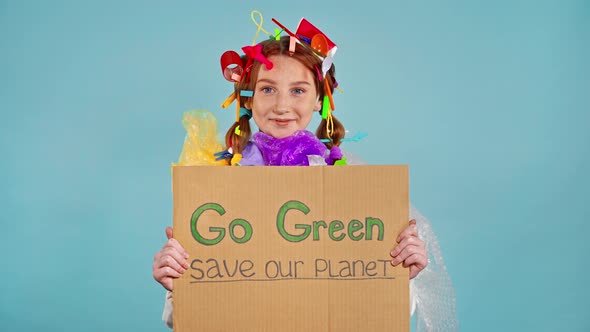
<point>337,135</point>
<point>322,131</point>
<point>235,141</point>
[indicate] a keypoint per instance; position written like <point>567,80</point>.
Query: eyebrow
<point>265,80</point>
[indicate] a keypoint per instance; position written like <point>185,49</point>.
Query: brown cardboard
<point>326,287</point>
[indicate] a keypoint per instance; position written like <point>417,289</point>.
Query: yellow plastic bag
<point>201,142</point>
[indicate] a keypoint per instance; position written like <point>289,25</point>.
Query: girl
<point>286,91</point>
<point>281,86</point>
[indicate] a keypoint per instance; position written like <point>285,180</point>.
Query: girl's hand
<point>410,250</point>
<point>170,262</point>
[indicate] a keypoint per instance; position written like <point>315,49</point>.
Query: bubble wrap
<point>432,288</point>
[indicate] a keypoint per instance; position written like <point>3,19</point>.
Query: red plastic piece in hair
<point>308,30</point>
<point>255,53</point>
<point>231,66</point>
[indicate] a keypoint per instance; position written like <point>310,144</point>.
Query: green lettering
<point>316,229</point>
<point>369,223</point>
<point>353,226</point>
<point>195,217</point>
<point>336,226</point>
<point>247,230</point>
<point>295,205</point>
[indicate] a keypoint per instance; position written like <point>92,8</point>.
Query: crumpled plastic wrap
<point>315,160</point>
<point>201,142</point>
<point>292,150</point>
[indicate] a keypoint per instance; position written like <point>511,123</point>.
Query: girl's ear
<point>318,105</point>
<point>248,103</point>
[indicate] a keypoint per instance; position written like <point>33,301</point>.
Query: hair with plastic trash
<point>305,55</point>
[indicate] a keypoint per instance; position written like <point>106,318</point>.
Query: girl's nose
<point>282,104</point>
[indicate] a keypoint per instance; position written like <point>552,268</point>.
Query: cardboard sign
<point>291,248</point>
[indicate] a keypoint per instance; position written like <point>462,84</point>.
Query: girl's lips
<point>282,122</point>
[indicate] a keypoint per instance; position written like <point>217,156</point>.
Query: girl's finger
<point>173,243</point>
<point>162,258</point>
<point>169,261</point>
<point>164,276</point>
<point>417,267</point>
<point>411,230</point>
<point>415,259</point>
<point>409,241</point>
<point>405,253</point>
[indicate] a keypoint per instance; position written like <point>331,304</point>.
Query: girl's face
<point>284,98</point>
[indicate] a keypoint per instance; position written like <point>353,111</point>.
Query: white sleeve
<point>167,314</point>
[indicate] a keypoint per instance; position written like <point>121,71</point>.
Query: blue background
<point>487,102</point>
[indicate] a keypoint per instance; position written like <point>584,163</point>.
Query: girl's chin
<point>282,133</point>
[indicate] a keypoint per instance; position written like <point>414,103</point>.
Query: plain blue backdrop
<point>487,102</point>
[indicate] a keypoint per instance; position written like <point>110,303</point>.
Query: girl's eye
<point>298,91</point>
<point>266,90</point>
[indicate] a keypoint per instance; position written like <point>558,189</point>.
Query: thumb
<point>169,232</point>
